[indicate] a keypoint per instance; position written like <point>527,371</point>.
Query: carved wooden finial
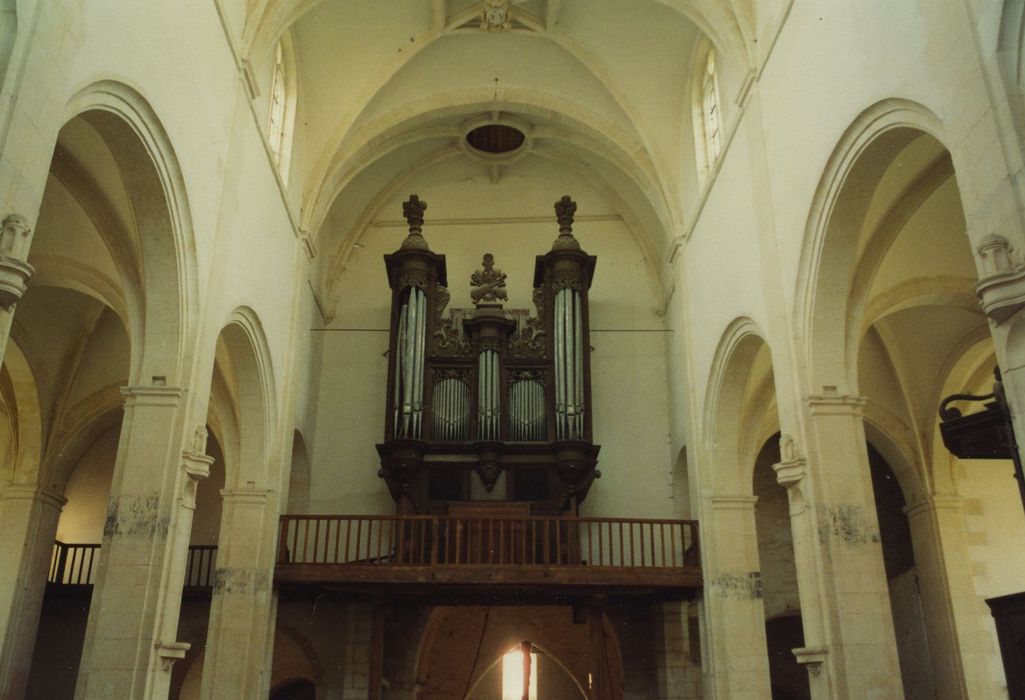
<point>565,208</point>
<point>413,209</point>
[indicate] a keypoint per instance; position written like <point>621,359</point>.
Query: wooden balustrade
<point>200,566</point>
<point>448,541</point>
<point>75,565</point>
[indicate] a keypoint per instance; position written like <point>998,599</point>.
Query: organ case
<point>489,404</point>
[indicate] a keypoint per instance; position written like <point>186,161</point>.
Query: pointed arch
<point>727,405</point>
<point>139,143</point>
<point>829,257</point>
<point>251,379</point>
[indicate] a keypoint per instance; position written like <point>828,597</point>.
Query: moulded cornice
<point>836,405</point>
<point>734,502</point>
<point>32,492</point>
<point>245,496</point>
<point>148,395</point>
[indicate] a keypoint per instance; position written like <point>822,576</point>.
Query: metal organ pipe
<point>569,365</point>
<point>578,363</point>
<point>560,380</point>
<point>409,381</point>
<point>487,395</point>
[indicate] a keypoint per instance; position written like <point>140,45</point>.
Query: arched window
<point>711,119</point>
<point>281,112</point>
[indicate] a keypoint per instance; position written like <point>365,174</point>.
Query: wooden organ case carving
<point>488,408</point>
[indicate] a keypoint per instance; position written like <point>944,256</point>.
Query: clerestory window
<point>710,115</point>
<point>282,106</point>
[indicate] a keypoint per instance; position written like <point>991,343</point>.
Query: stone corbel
<point>14,271</point>
<point>196,464</point>
<point>790,472</point>
<point>1001,286</point>
<point>169,652</point>
<point>811,658</point>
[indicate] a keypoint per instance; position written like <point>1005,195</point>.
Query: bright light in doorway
<point>512,676</point>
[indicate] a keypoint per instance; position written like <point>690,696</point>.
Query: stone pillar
<point>860,649</point>
<point>128,651</point>
<point>955,621</point>
<point>735,616</point>
<point>237,663</point>
<point>678,677</point>
<point>791,471</point>
<point>28,521</point>
<point>359,632</point>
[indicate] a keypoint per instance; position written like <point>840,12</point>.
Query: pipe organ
<point>488,404</point>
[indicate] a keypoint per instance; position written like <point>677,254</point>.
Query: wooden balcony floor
<point>509,583</point>
<point>467,560</point>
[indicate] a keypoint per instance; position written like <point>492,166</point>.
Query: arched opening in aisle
<point>891,315</point>
<point>102,246</point>
<point>783,624</point>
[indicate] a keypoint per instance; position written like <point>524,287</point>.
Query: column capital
<point>733,502</point>
<point>936,502</point>
<point>245,496</point>
<point>836,404</point>
<point>32,492</point>
<point>151,395</point>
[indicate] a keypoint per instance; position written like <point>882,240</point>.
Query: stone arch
<point>727,406</point>
<point>299,476</point>
<point>8,34</point>
<point>829,251</point>
<point>548,627</point>
<point>251,380</point>
<point>541,650</point>
<point>880,433</point>
<point>307,646</point>
<point>160,330</point>
<point>24,413</point>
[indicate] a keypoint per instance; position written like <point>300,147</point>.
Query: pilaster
<point>735,617</point>
<point>859,649</point>
<point>28,521</point>
<point>241,619</point>
<point>791,473</point>
<point>128,652</point>
<point>955,621</point>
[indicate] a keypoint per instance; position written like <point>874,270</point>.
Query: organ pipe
<point>409,382</point>
<point>569,365</point>
<point>487,396</point>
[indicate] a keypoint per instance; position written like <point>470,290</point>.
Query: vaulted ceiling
<point>601,88</point>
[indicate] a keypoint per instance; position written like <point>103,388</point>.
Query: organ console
<point>488,405</point>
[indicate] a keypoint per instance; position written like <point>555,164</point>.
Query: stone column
<point>860,649</point>
<point>359,632</point>
<point>678,677</point>
<point>127,653</point>
<point>241,612</point>
<point>735,616</point>
<point>791,471</point>
<point>28,521</point>
<point>954,618</point>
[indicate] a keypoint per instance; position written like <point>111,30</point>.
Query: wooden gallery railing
<point>447,541</point>
<point>75,565</point>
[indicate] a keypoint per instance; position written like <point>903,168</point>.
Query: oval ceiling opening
<point>495,139</point>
